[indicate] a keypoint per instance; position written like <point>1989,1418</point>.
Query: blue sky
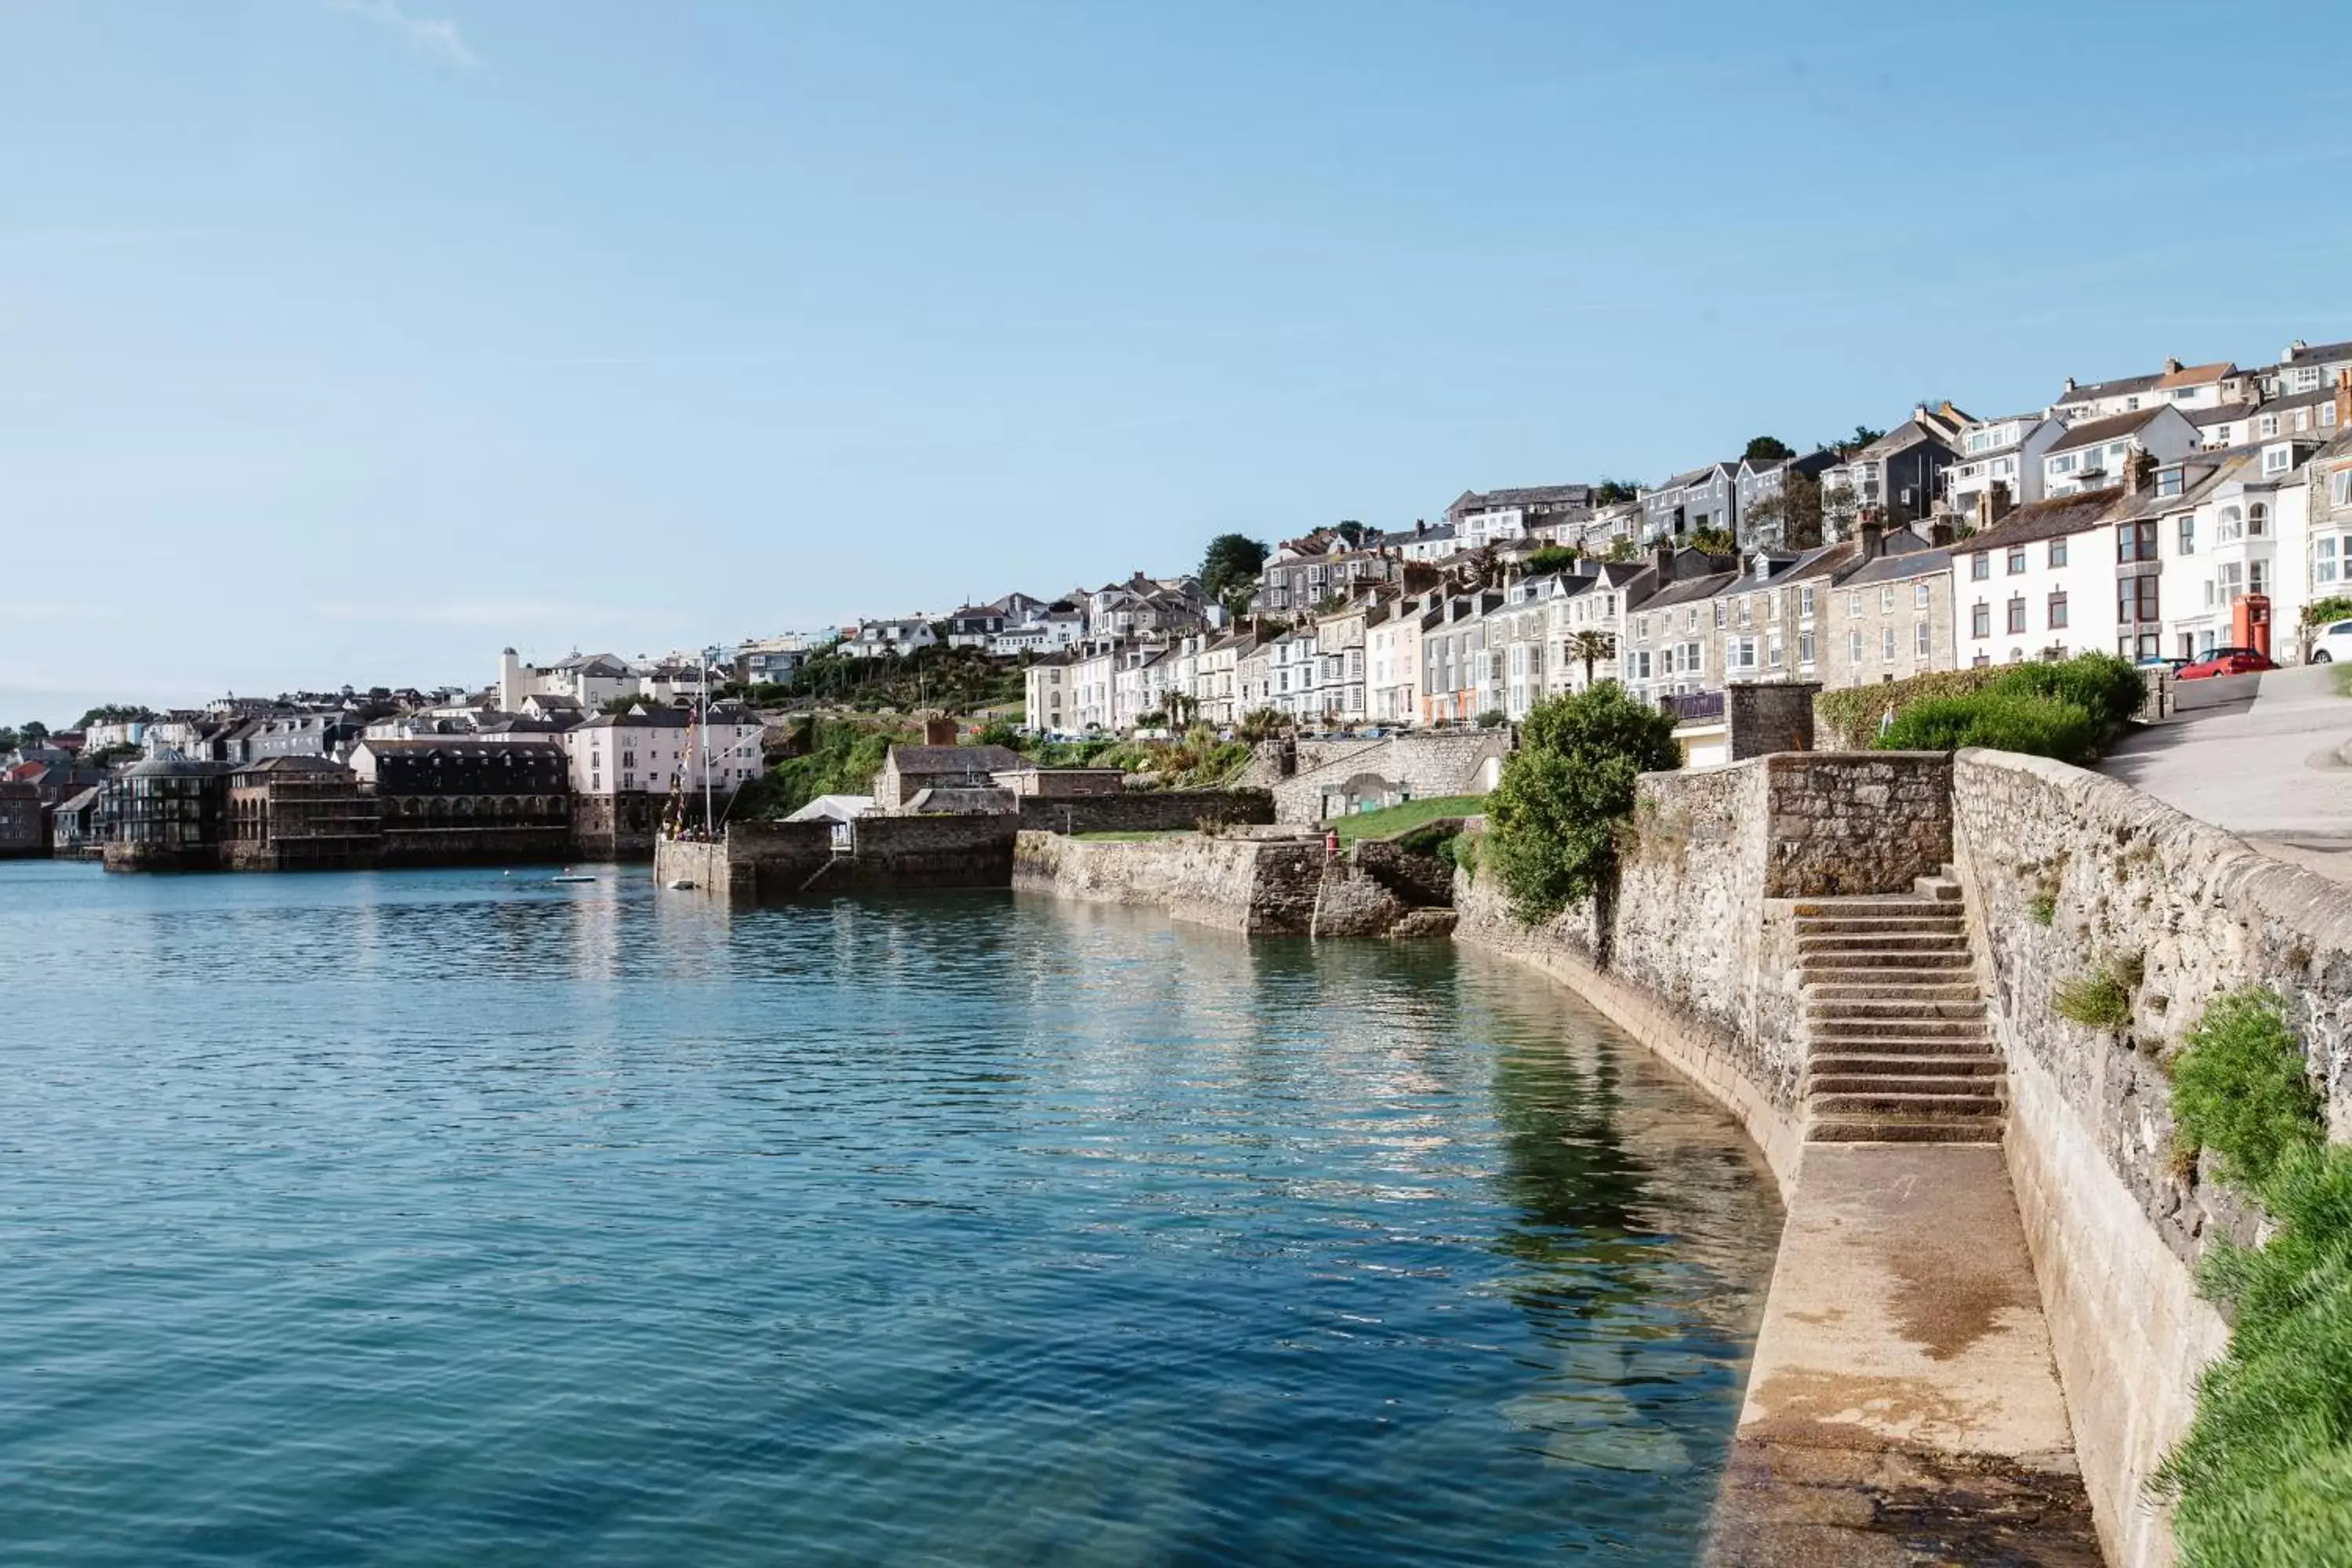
<point>347,342</point>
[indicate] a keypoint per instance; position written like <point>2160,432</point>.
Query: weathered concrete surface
<point>1258,886</point>
<point>2269,770</point>
<point>1903,1405</point>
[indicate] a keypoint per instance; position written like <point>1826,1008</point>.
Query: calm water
<point>458,1217</point>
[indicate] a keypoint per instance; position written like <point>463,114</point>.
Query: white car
<point>2335,642</point>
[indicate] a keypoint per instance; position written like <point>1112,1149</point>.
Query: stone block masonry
<point>1261,886</point>
<point>2069,876</point>
<point>1146,811</point>
<point>759,861</point>
<point>1423,765</point>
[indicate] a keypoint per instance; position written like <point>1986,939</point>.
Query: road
<point>2272,770</point>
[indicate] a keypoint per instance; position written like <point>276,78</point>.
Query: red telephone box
<point>2250,623</point>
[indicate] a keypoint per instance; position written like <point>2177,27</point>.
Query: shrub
<point>2042,909</point>
<point>2038,726</point>
<point>1567,792</point>
<point>2239,1086</point>
<point>1851,713</point>
<point>2265,1476</point>
<point>2107,688</point>
<point>2097,1001</point>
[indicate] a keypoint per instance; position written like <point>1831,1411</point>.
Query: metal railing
<point>1687,706</point>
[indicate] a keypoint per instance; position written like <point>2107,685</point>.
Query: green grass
<point>1396,819</point>
<point>2099,1001</point>
<point>2263,1478</point>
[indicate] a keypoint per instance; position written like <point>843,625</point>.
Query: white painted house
<point>2100,454</point>
<point>2005,451</point>
<point>2042,583</point>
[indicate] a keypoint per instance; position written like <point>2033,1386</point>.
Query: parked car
<point>2226,661</point>
<point>2335,642</point>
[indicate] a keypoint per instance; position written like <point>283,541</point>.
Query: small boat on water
<point>682,885</point>
<point>575,879</point>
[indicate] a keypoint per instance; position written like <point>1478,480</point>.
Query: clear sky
<point>349,339</point>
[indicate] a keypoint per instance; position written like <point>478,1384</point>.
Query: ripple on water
<point>445,1217</point>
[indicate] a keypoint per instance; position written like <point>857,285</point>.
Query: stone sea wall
<point>2072,874</point>
<point>1262,886</point>
<point>1423,763</point>
<point>1145,810</point>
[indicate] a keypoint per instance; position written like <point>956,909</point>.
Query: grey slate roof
<point>2045,520</point>
<point>953,759</point>
<point>2113,428</point>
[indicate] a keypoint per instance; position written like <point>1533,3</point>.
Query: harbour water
<point>461,1217</point>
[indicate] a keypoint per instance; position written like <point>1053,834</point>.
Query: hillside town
<point>2167,516</point>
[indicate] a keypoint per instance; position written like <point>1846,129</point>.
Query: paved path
<point>2269,770</point>
<point>1903,1407</point>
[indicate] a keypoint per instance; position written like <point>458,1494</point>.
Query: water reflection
<point>478,1218</point>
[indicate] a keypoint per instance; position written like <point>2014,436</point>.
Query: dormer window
<point>2167,482</point>
<point>2277,460</point>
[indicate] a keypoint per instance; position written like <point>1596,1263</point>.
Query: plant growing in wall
<point>2103,998</point>
<point>1568,793</point>
<point>2264,1475</point>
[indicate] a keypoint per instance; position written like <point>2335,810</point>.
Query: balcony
<point>1690,707</point>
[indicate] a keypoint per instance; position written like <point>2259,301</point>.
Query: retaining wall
<point>2116,1225</point>
<point>1259,886</point>
<point>1146,811</point>
<point>783,859</point>
<point>1423,763</point>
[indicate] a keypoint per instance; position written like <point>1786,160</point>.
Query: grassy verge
<point>1395,819</point>
<point>2264,1476</point>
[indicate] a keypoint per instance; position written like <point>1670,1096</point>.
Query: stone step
<point>1893,906</point>
<point>1904,1063</point>
<point>1882,925</point>
<point>1910,1104</point>
<point>1823,1087</point>
<point>1889,986</point>
<point>1939,889</point>
<point>1897,1129</point>
<point>1845,1033</point>
<point>1953,940</point>
<point>1887,957</point>
<point>1969,1007</point>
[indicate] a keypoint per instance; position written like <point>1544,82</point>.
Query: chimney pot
<point>1872,535</point>
<point>1663,556</point>
<point>2343,401</point>
<point>2171,367</point>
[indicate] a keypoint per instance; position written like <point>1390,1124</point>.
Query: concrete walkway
<point>1903,1407</point>
<point>2269,770</point>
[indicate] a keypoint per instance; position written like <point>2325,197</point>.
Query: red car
<point>2225,662</point>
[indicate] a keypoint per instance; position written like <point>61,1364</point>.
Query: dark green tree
<point>1765,448</point>
<point>1567,794</point>
<point>1550,558</point>
<point>1608,492</point>
<point>1232,562</point>
<point>116,713</point>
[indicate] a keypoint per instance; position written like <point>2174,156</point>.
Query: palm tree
<point>1592,644</point>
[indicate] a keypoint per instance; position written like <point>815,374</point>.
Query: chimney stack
<point>2343,401</point>
<point>1663,559</point>
<point>939,732</point>
<point>2172,367</point>
<point>2139,472</point>
<point>1993,505</point>
<point>1943,534</point>
<point>1872,535</point>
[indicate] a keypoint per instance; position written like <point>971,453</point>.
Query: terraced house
<point>1888,612</point>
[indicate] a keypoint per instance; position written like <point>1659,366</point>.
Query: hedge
<point>2006,722</point>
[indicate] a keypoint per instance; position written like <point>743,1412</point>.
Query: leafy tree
<point>116,713</point>
<point>1354,532</point>
<point>1262,724</point>
<point>1231,563</point>
<point>1622,549</point>
<point>31,731</point>
<point>8,739</point>
<point>107,756</point>
<point>1765,448</point>
<point>1712,541</point>
<point>1841,509</point>
<point>1790,516</point>
<point>1609,493</point>
<point>1863,436</point>
<point>1592,644</point>
<point>1568,793</point>
<point>1551,558</point>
